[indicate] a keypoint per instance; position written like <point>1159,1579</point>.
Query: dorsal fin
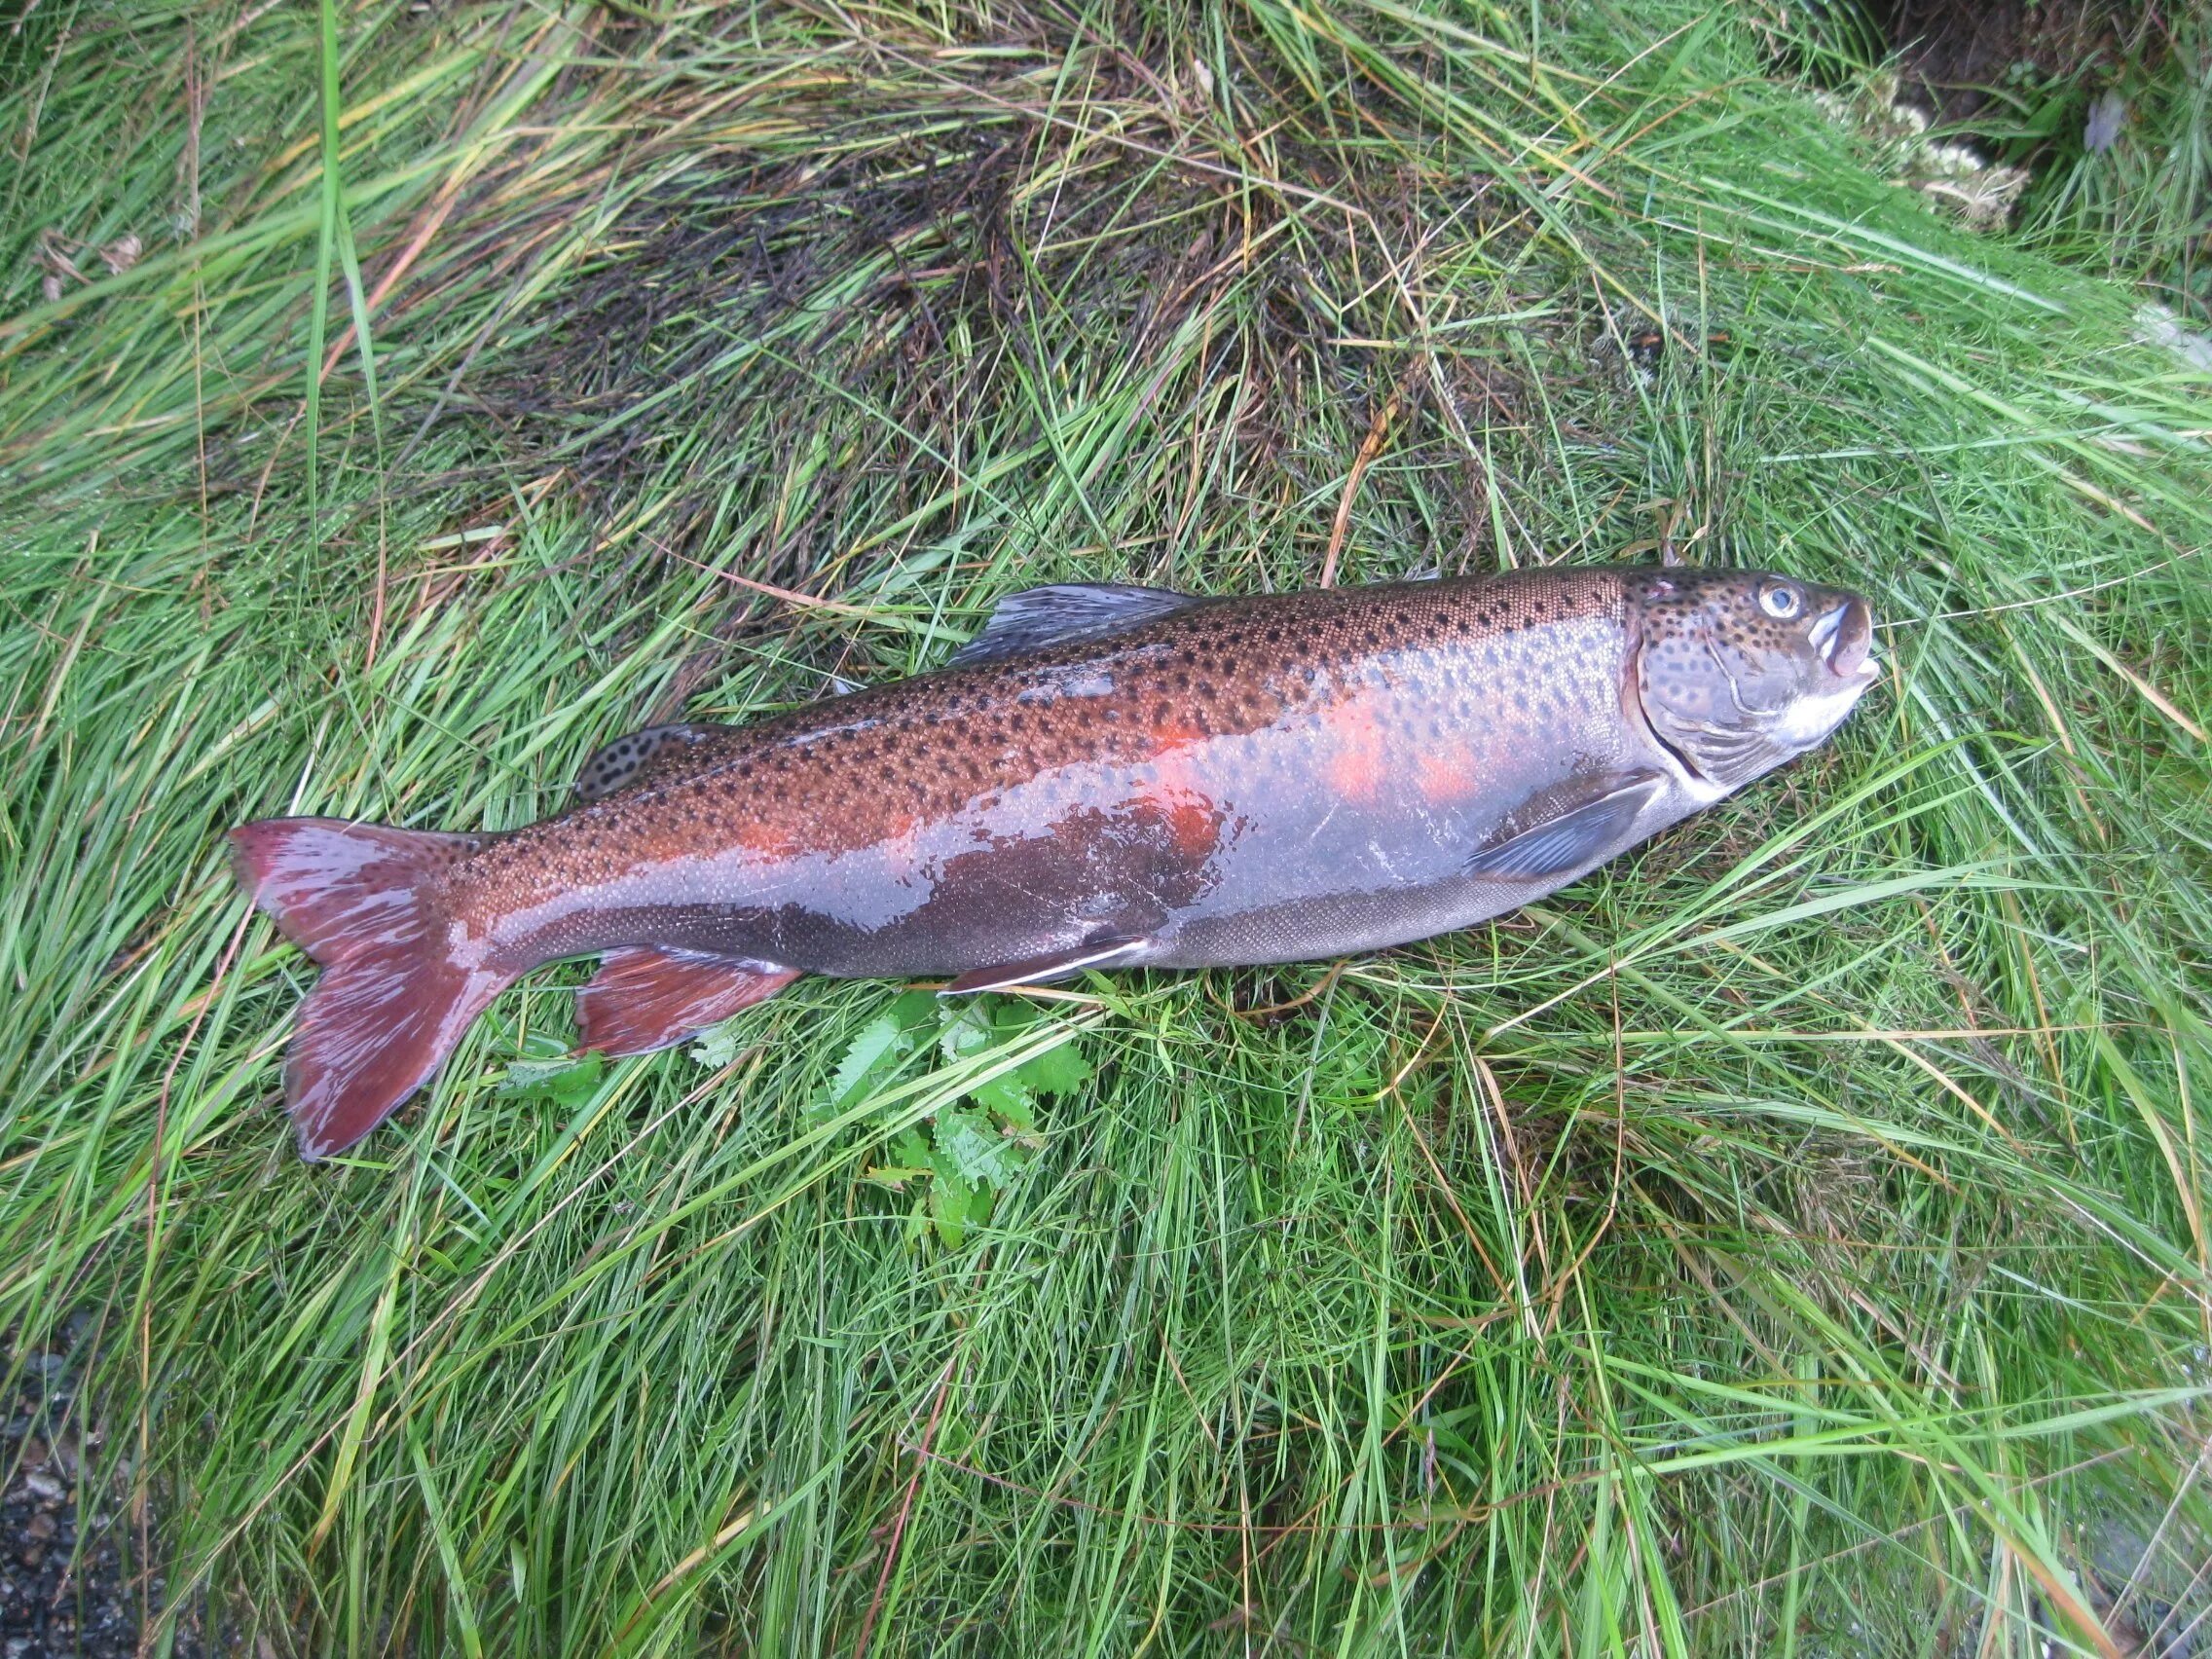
<point>627,760</point>
<point>1066,613</point>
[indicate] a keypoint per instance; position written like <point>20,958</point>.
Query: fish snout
<point>1849,642</point>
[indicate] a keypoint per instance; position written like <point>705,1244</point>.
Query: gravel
<point>65,1586</point>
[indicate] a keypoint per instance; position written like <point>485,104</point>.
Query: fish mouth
<point>1844,636</point>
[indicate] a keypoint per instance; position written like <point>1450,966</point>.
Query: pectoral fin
<point>643,997</point>
<point>1585,823</point>
<point>1040,969</point>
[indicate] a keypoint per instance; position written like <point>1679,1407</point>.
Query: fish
<point>1106,777</point>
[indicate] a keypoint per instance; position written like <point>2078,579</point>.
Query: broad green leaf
<point>566,1081</point>
<point>967,1028</point>
<point>1056,1071</point>
<point>952,1204</point>
<point>1009,1098</point>
<point>972,1146</point>
<point>917,1012</point>
<point>878,1045</point>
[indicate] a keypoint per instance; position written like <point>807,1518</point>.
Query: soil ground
<point>56,1600</point>
<point>1952,52</point>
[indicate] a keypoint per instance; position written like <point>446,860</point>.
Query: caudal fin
<point>396,994</point>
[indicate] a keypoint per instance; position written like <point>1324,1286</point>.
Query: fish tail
<point>367,902</point>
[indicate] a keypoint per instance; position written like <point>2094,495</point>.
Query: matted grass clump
<point>1789,1241</point>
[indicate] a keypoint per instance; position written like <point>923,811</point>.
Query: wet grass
<point>1788,1240</point>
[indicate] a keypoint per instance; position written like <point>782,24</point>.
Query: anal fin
<point>644,998</point>
<point>1040,969</point>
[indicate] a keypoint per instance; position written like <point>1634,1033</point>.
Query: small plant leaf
<point>917,1012</point>
<point>1056,1071</point>
<point>1009,1098</point>
<point>971,1146</point>
<point>873,1052</point>
<point>955,1205</point>
<point>967,1028</point>
<point>568,1081</point>
<point>895,1175</point>
<point>717,1047</point>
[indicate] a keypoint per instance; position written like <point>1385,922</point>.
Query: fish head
<point>1739,670</point>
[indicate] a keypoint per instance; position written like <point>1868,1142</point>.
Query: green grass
<point>1789,1241</point>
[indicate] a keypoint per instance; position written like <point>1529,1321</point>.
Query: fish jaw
<point>1845,640</point>
<point>1844,637</point>
<point>1809,721</point>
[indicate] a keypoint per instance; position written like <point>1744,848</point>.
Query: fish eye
<point>1781,601</point>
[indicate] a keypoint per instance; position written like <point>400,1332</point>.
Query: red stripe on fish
<point>1446,773</point>
<point>1175,792</point>
<point>1357,762</point>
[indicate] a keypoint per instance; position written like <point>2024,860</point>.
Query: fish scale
<point>1107,776</point>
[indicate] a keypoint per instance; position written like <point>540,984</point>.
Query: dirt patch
<point>932,245</point>
<point>1954,53</point>
<point>66,1586</point>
